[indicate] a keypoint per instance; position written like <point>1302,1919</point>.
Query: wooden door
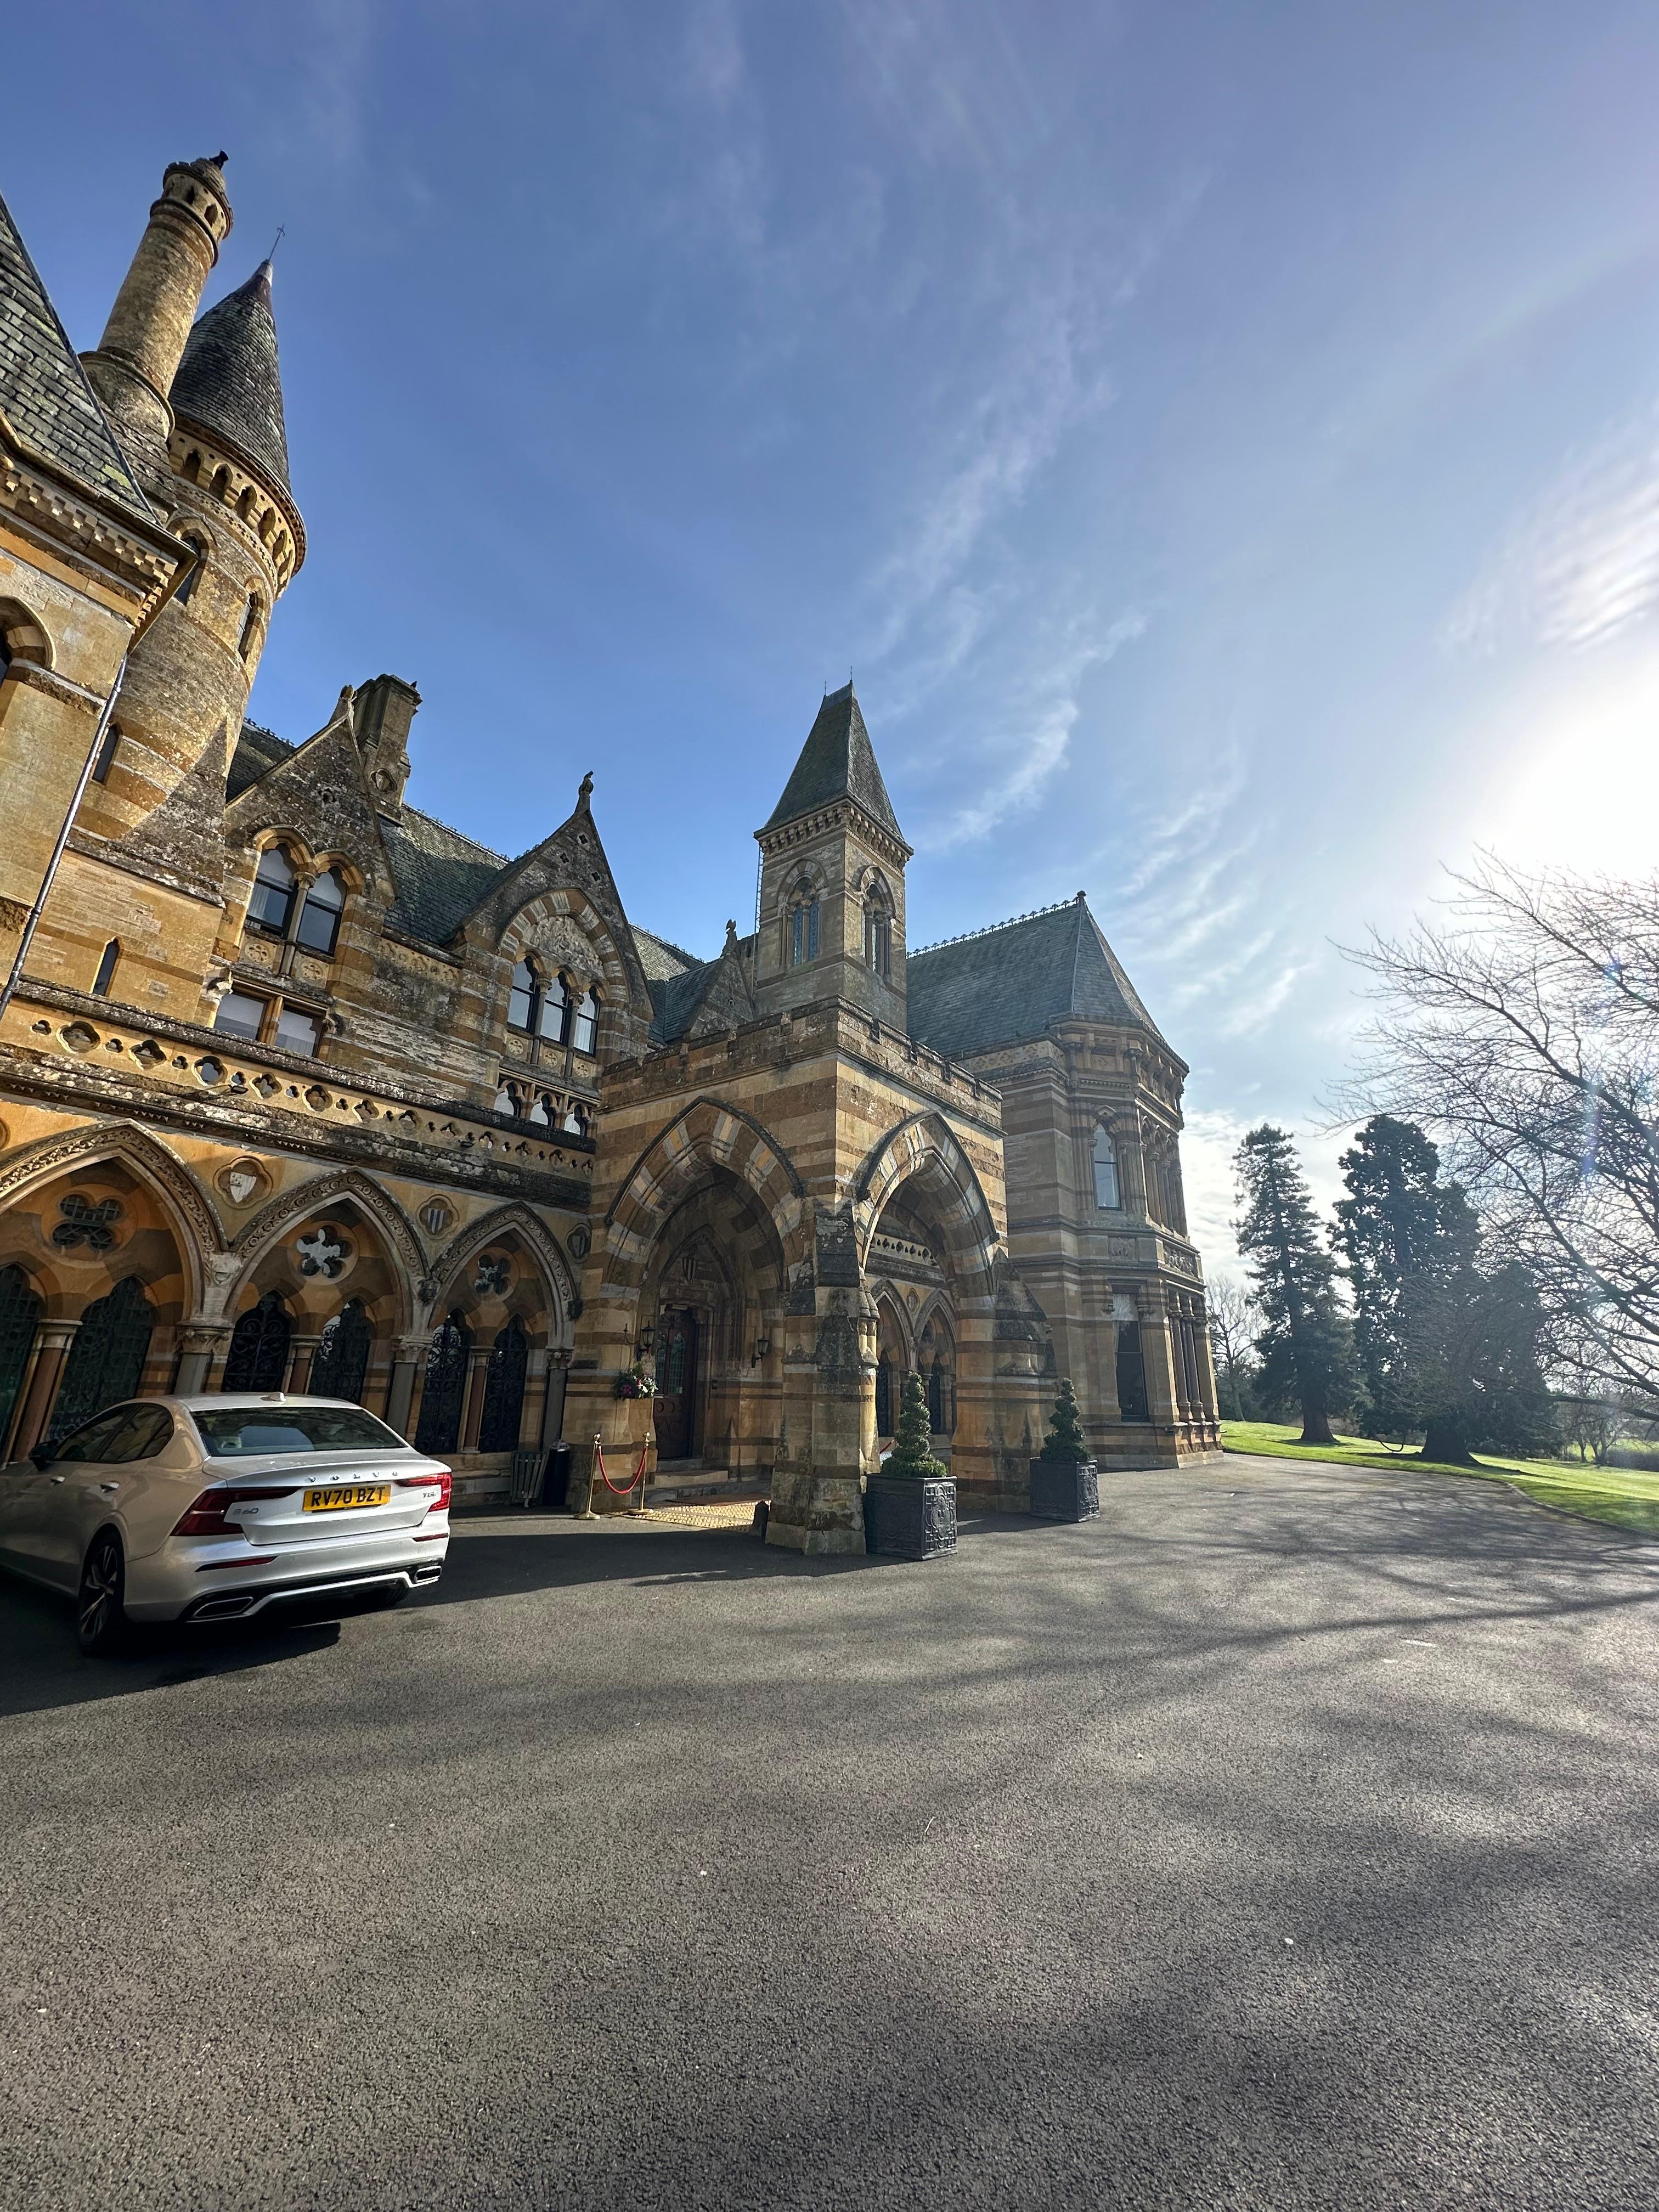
<point>675,1408</point>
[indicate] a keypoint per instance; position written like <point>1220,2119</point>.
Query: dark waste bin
<point>555,1479</point>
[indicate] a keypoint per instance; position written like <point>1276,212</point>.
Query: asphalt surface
<point>1284,1838</point>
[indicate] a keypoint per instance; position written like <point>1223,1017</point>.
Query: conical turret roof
<point>229,384</point>
<point>837,762</point>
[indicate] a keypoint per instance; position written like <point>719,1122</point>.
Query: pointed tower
<point>133,366</point>
<point>832,877</point>
<point>187,685</point>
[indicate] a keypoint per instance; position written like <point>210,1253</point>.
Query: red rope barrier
<point>636,1481</point>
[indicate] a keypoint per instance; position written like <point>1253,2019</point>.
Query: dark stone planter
<point>907,1517</point>
<point>1064,1490</point>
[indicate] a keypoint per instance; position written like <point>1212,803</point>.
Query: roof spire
<point>837,762</point>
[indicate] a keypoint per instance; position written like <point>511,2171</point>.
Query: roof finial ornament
<point>584,789</point>
<point>282,233</point>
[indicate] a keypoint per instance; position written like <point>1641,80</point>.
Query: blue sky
<point>1224,440</point>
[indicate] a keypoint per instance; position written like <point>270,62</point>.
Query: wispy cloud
<point>1581,564</point>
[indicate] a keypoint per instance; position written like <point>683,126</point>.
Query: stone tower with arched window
<point>832,877</point>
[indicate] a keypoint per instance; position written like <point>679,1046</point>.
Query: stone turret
<point>832,877</point>
<point>382,711</point>
<point>132,369</point>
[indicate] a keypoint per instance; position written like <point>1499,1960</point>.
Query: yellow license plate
<point>347,1494</point>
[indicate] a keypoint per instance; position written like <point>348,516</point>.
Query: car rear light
<point>206,1518</point>
<point>441,1483</point>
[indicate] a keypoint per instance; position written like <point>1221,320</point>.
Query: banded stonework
<point>304,1085</point>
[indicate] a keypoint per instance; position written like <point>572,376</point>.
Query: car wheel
<point>100,1613</point>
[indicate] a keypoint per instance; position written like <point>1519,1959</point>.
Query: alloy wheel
<point>100,1617</point>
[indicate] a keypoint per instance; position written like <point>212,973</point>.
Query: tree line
<point>1489,1278</point>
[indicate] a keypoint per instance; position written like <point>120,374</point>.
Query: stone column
<point>301,1351</point>
<point>52,1340</point>
<point>1178,1360</point>
<point>201,1341</point>
<point>1131,1168</point>
<point>1206,1367</point>
<point>817,1489</point>
<point>407,1354</point>
<point>558,1371</point>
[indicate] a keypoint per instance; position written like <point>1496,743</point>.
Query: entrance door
<point>675,1408</point>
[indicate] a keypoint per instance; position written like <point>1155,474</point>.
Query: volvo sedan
<point>222,1508</point>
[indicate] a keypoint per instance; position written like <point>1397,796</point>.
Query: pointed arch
<point>702,1136</point>
<point>256,1237</point>
<point>514,1219</point>
<point>199,1232</point>
<point>925,1151</point>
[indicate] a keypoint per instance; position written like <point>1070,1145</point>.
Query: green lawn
<point>1627,1497</point>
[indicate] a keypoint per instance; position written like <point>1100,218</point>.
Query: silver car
<point>220,1508</point>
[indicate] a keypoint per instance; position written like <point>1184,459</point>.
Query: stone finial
<point>731,937</point>
<point>585,790</point>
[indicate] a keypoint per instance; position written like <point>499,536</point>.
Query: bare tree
<point>1525,1032</point>
<point>1234,1322</point>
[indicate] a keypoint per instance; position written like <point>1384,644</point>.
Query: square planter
<point>1065,1489</point>
<point>909,1518</point>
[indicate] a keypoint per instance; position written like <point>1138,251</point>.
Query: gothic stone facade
<point>303,1089</point>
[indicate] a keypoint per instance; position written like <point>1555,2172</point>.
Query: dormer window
<point>272,903</point>
<point>320,917</point>
<point>1107,1196</point>
<point>585,1029</point>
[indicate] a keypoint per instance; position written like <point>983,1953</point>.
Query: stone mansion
<point>302,1089</point>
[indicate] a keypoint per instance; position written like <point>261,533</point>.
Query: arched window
<point>342,1359</point>
<point>272,903</point>
<point>107,967</point>
<point>20,1309</point>
<point>521,998</point>
<point>251,624</point>
<point>541,1110</point>
<point>884,1397</point>
<point>585,1030</point>
<point>878,939</point>
<point>320,917</point>
<point>1131,1373</point>
<point>503,1405</point>
<point>802,938</point>
<point>106,1362</point>
<point>440,1423</point>
<point>257,1358</point>
<point>555,1022</point>
<point>1106,1183</point>
<point>183,595</point>
<point>108,745</point>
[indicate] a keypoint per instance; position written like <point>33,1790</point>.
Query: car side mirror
<point>43,1455</point>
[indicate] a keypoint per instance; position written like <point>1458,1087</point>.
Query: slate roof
<point>258,752</point>
<point>229,383</point>
<point>837,762</point>
<point>676,1001</point>
<point>44,389</point>
<point>660,960</point>
<point>1003,985</point>
<point>441,875</point>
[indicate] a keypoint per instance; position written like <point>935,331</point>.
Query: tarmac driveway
<point>1284,1837</point>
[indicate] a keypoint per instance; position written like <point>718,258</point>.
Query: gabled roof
<point>1005,984</point>
<point>441,876</point>
<point>258,752</point>
<point>837,762</point>
<point>44,390</point>
<point>229,381</point>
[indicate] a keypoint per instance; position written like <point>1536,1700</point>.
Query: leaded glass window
<point>19,1310</point>
<point>442,1400</point>
<point>272,901</point>
<point>503,1405</point>
<point>555,1011</point>
<point>521,998</point>
<point>585,1029</point>
<point>1106,1183</point>
<point>106,1362</point>
<point>342,1359</point>
<point>257,1358</point>
<point>320,917</point>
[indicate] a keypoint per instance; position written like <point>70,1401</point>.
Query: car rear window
<point>243,1431</point>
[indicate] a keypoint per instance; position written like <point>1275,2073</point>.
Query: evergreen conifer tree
<point>912,1452</point>
<point>1403,1236</point>
<point>1066,1439</point>
<point>1304,1344</point>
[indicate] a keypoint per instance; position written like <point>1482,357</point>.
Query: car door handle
<point>60,1478</point>
<point>109,1488</point>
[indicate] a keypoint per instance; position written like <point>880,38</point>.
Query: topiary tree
<point>912,1452</point>
<point>1064,1439</point>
